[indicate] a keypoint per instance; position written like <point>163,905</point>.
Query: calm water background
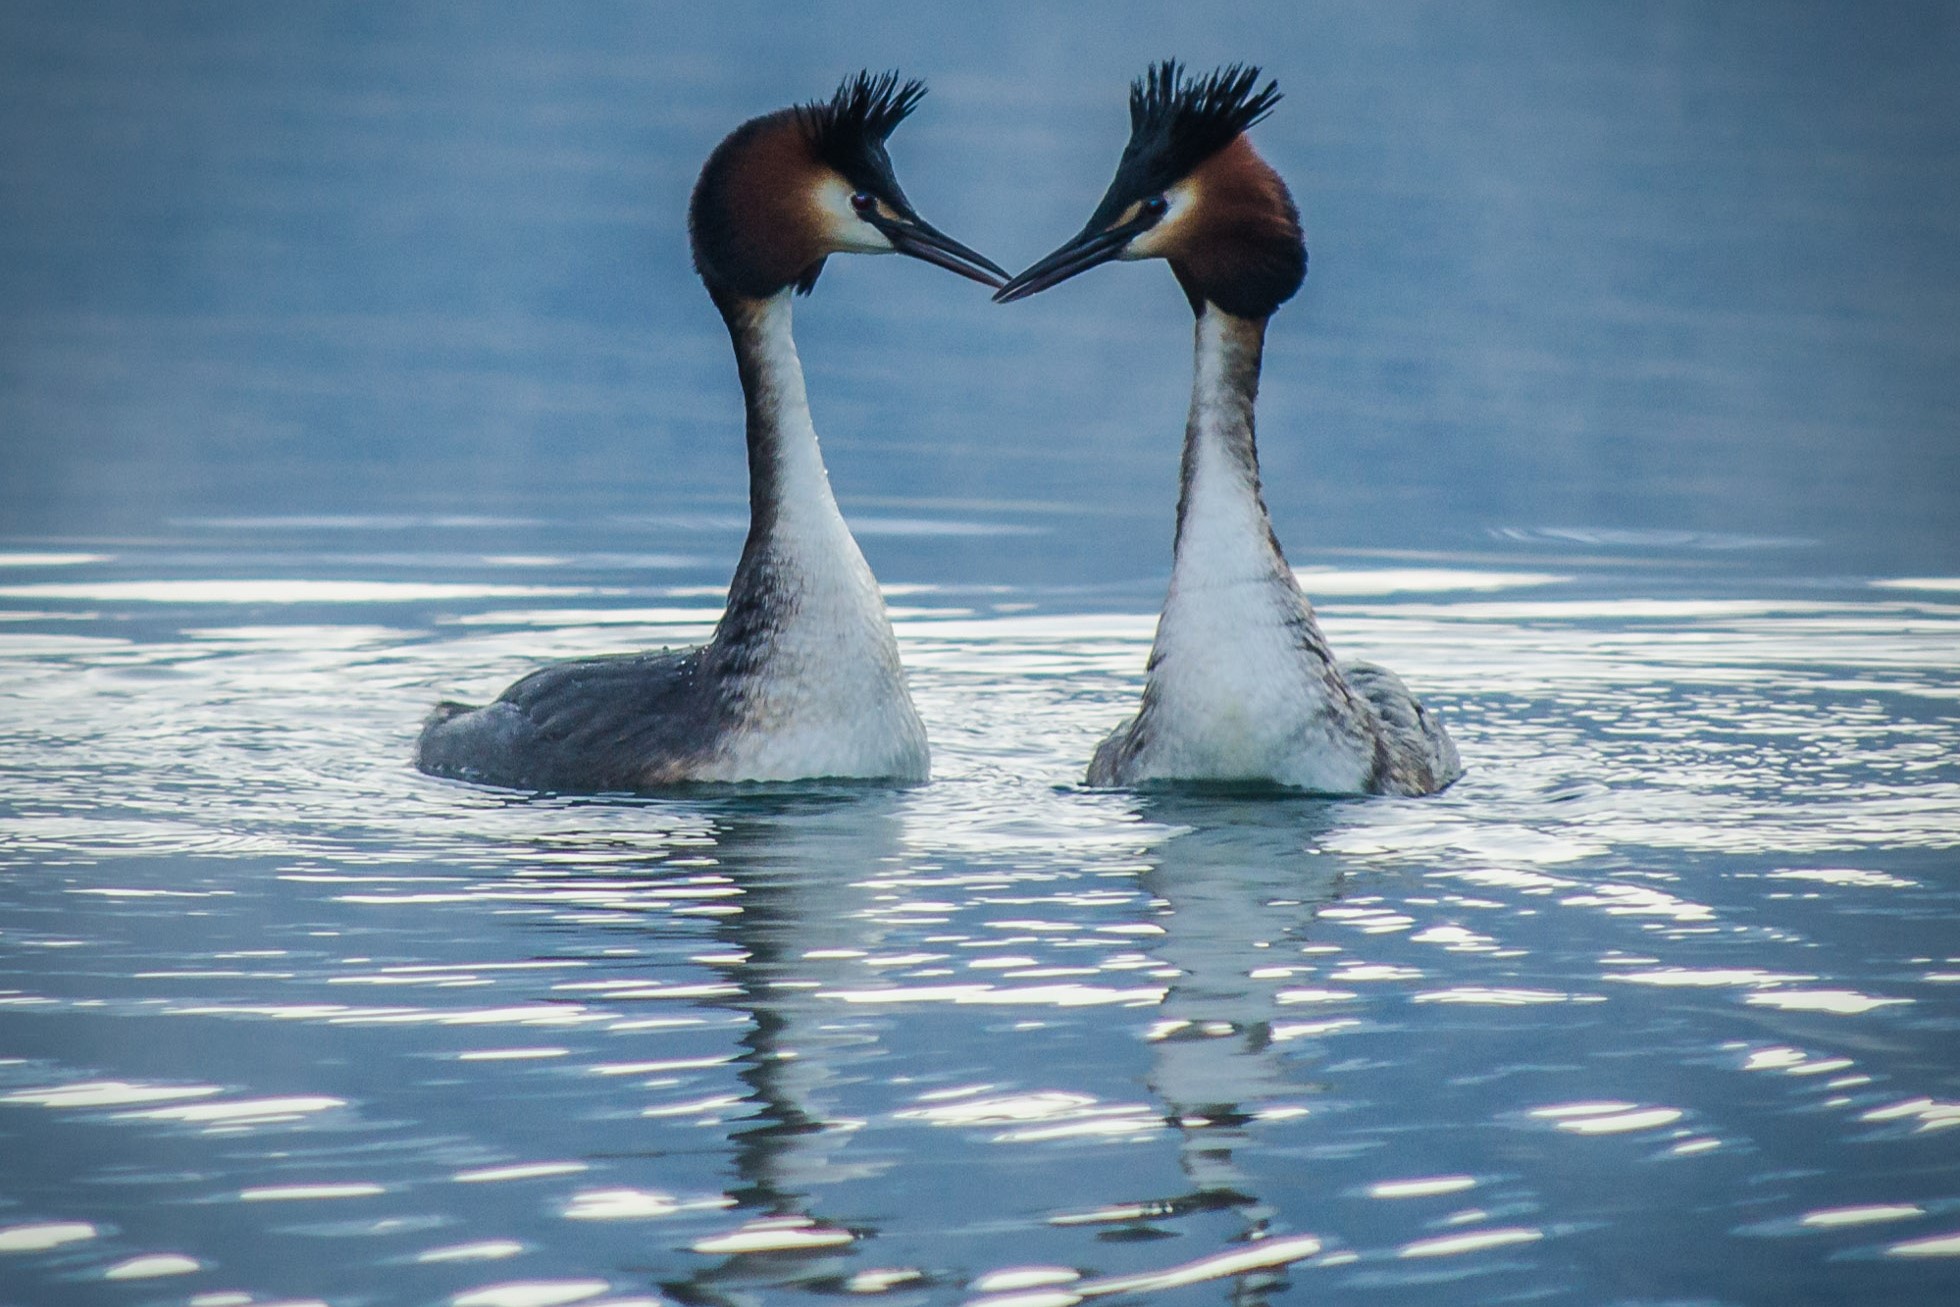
<point>350,358</point>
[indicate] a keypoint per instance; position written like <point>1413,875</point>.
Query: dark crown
<point>1176,123</point>
<point>848,131</point>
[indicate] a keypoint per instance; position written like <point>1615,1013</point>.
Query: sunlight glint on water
<point>1699,852</point>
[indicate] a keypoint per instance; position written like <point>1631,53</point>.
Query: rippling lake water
<point>350,360</point>
<point>1672,967</point>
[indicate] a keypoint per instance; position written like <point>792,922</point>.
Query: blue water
<point>350,359</point>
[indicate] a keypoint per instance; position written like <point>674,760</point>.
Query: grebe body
<point>1241,686</point>
<point>801,678</point>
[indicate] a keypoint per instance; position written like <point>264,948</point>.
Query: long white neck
<point>799,556</point>
<point>788,486</point>
<point>1224,536</point>
<point>1240,684</point>
<point>804,645</point>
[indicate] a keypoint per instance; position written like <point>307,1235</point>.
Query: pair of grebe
<point>801,678</point>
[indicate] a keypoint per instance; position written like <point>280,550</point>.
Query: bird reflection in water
<point>799,860</point>
<point>1233,883</point>
<point>1239,885</point>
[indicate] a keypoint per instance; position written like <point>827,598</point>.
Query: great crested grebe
<point>1241,685</point>
<point>801,678</point>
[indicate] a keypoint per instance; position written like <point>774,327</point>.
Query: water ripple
<point>1684,917</point>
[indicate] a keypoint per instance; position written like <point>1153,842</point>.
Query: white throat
<point>1240,684</point>
<point>824,694</point>
<point>803,500</point>
<point>1224,537</point>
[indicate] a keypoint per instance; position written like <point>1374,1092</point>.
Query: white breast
<point>830,700</point>
<point>1235,691</point>
<point>1234,697</point>
<point>829,697</point>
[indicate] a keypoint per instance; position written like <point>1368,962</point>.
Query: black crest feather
<point>849,130</point>
<point>1177,122</point>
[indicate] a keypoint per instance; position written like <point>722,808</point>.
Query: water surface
<point>350,360</point>
<point>1671,967</point>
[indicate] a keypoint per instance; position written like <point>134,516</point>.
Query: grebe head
<point>1190,189</point>
<point>785,191</point>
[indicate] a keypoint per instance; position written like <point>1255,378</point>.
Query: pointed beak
<point>915,236</point>
<point>1079,255</point>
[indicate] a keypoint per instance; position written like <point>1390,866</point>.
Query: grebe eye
<point>864,202</point>
<point>1156,207</point>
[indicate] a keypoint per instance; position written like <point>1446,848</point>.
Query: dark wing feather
<point>1414,754</point>
<point>627,723</point>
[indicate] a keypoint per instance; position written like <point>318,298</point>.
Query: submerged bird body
<point>801,678</point>
<point>1241,685</point>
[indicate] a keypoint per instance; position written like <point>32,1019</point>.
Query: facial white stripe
<point>1182,199</point>
<point>843,230</point>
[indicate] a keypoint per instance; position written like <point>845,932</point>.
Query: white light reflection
<point>1639,901</point>
<point>1845,876</point>
<point>107,1093</point>
<point>882,1279</point>
<point>1285,1030</point>
<point>486,1250</point>
<point>775,1234</point>
<point>1042,1116</point>
<point>588,617</point>
<point>1042,995</point>
<point>531,1293</point>
<point>43,1235</point>
<point>1456,939</point>
<point>517,1171</point>
<point>1488,996</point>
<point>1951,583</point>
<point>1024,1277</point>
<point>283,592</point>
<point>635,1205</point>
<point>511,1054</point>
<point>661,1066</point>
<point>1363,972</point>
<point>1838,1002</point>
<point>294,1193</point>
<point>1605,1118</point>
<point>1422,1188</point>
<point>1795,1062</point>
<point>152,1266</point>
<point>712,1105</point>
<point>1029,1298</point>
<point>251,1111</point>
<point>1710,977</point>
<point>1930,1113</point>
<point>1397,580</point>
<point>1261,1255</point>
<point>1453,1245</point>
<point>1373,921</point>
<point>1287,997</point>
<point>1831,1218</point>
<point>27,559</point>
<point>1647,1119</point>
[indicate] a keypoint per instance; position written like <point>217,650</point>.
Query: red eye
<point>864,202</point>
